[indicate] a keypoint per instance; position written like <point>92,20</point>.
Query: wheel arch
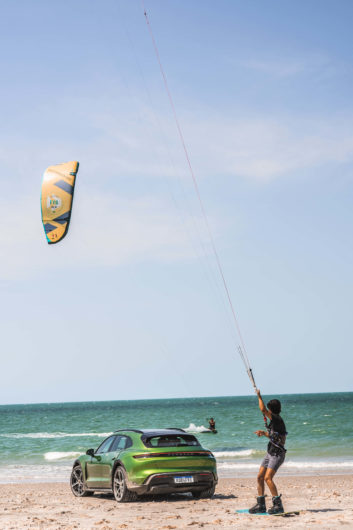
<point>83,468</point>
<point>117,463</point>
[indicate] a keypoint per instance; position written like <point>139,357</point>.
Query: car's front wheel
<point>77,483</point>
<point>120,489</point>
<point>204,494</point>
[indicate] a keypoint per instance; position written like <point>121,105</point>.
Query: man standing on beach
<point>276,432</point>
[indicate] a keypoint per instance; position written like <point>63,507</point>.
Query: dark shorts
<point>273,461</point>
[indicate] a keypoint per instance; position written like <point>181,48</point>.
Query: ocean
<point>39,442</point>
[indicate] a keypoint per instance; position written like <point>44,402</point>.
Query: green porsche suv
<point>138,462</point>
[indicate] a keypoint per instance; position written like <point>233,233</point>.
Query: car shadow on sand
<point>223,496</point>
<point>177,497</point>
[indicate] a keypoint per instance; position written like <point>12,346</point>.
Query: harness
<point>274,437</point>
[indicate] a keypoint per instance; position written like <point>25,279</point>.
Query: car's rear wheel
<point>77,483</point>
<point>120,489</point>
<point>204,494</point>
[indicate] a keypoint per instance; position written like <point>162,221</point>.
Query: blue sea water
<point>39,442</point>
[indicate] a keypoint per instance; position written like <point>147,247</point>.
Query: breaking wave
<point>320,465</point>
<point>197,428</point>
<point>232,469</point>
<point>55,434</point>
<point>61,455</point>
<point>235,454</point>
<point>293,465</point>
<point>11,474</point>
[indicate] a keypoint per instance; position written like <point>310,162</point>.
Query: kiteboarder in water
<point>212,424</point>
<point>276,432</point>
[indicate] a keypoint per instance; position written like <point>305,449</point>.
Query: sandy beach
<point>325,502</point>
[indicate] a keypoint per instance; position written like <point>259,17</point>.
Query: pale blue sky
<point>130,304</point>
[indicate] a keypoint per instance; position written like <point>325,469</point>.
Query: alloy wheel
<point>119,484</point>
<point>77,485</point>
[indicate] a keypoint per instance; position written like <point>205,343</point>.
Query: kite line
<point>241,347</point>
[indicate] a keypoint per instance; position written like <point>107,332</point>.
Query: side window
<point>104,447</point>
<point>115,444</point>
<point>128,442</point>
<point>121,442</point>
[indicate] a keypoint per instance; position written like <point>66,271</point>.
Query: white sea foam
<point>231,469</point>
<point>60,471</point>
<point>34,473</point>
<point>292,464</point>
<point>234,454</point>
<point>320,465</point>
<point>236,466</point>
<point>60,455</point>
<point>196,428</point>
<point>55,435</point>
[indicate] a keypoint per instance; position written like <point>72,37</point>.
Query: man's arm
<point>262,433</point>
<point>262,407</point>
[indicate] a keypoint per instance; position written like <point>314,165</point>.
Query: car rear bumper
<point>164,483</point>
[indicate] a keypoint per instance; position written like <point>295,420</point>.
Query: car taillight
<point>175,453</point>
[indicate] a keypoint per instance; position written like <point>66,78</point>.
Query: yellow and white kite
<point>56,201</point>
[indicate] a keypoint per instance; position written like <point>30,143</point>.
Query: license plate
<point>183,480</point>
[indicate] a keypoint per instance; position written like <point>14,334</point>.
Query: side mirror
<point>90,452</point>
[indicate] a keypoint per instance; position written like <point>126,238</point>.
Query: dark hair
<point>274,406</point>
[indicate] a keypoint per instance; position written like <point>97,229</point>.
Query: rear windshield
<point>165,440</point>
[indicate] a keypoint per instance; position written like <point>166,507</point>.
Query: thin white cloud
<point>146,145</point>
<point>113,225</point>
<point>106,230</point>
<point>277,68</point>
<point>283,67</point>
<point>266,148</point>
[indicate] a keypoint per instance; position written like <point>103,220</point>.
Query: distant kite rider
<point>276,453</point>
<point>212,424</point>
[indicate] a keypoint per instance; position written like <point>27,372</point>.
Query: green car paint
<point>136,462</point>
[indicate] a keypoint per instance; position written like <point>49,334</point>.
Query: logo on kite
<point>53,203</point>
<point>57,195</point>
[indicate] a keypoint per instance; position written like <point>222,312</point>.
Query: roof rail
<point>129,430</point>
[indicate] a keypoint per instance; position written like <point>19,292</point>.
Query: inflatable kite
<point>56,201</point>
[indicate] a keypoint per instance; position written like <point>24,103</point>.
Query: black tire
<point>204,494</point>
<point>77,483</point>
<point>120,489</point>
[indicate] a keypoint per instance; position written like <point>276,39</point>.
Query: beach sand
<point>325,502</point>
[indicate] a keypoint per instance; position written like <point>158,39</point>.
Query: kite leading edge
<point>56,200</point>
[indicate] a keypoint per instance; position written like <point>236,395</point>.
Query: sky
<point>130,305</point>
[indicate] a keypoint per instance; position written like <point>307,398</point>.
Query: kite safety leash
<point>245,360</point>
<point>248,369</point>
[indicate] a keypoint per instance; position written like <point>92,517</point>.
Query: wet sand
<point>325,502</point>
